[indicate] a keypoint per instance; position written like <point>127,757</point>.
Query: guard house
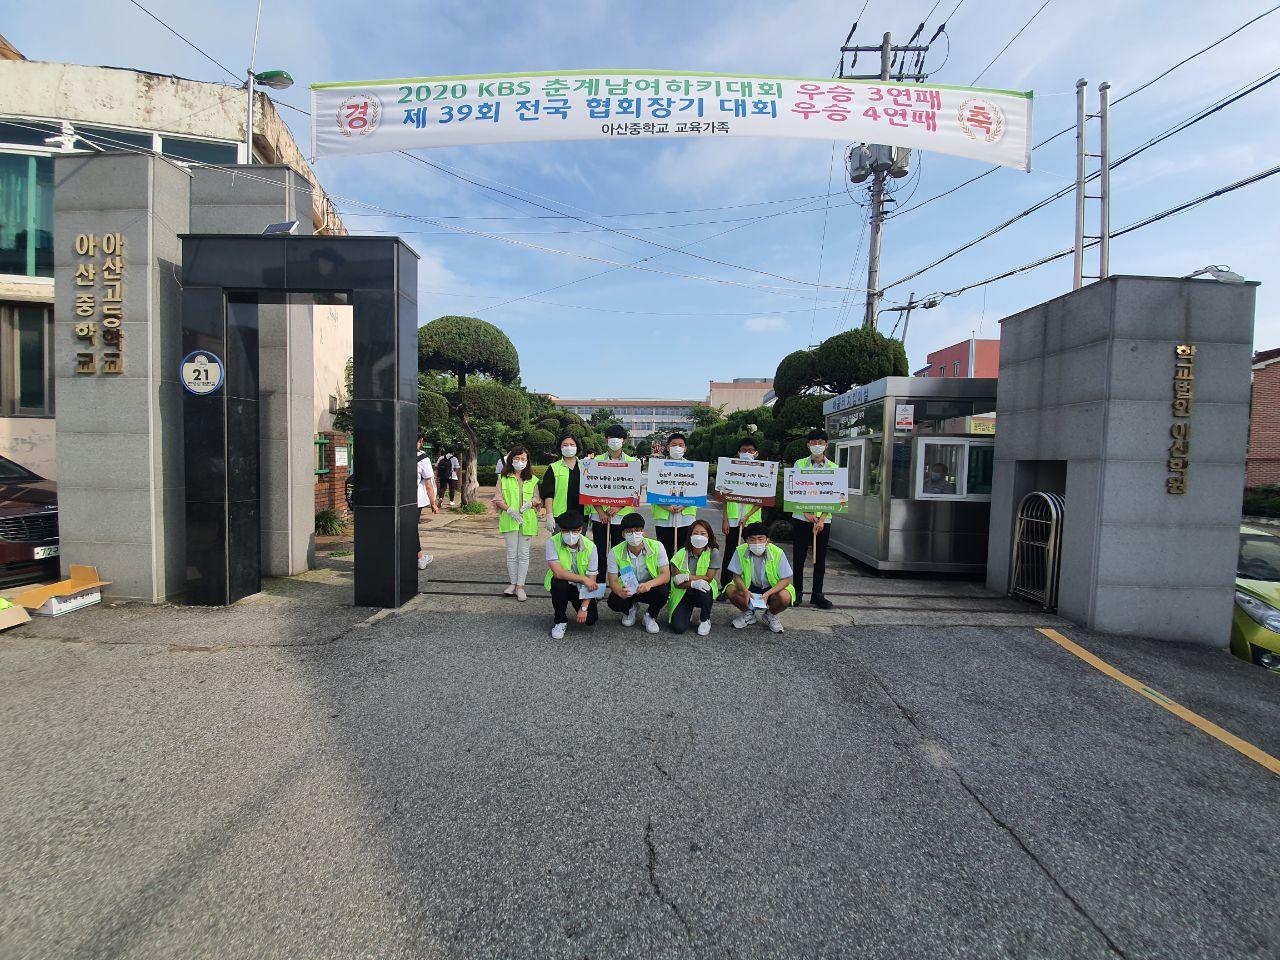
<point>920,454</point>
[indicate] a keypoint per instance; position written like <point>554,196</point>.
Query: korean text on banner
<point>373,116</point>
<point>610,483</point>
<point>747,481</point>
<point>677,483</point>
<point>815,490</point>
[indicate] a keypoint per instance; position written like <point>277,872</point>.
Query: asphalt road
<point>296,778</point>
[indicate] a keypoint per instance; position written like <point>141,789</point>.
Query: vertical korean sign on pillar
<point>381,115</point>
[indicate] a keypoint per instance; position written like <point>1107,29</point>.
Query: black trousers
<point>672,539</point>
<point>801,541</point>
<point>600,533</point>
<point>655,599</point>
<point>564,594</point>
<point>730,545</point>
<point>692,600</point>
<point>417,530</point>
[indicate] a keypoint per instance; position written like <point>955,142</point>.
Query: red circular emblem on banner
<point>358,114</point>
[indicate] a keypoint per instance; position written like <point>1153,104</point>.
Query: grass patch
<point>341,553</point>
<point>330,523</point>
<point>473,509</point>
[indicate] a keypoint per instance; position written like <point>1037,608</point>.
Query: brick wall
<point>331,486</point>
<point>1264,428</point>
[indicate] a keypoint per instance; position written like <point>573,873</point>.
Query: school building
<point>968,358</point>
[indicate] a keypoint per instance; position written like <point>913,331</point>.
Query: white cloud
<point>766,324</point>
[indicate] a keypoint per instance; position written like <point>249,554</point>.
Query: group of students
<point>682,569</point>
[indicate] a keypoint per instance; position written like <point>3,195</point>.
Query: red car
<point>28,525</point>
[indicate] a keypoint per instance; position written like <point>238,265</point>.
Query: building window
<point>942,369</point>
<point>954,469</point>
<point>956,373</point>
<point>198,151</point>
<point>26,215</point>
<point>26,360</point>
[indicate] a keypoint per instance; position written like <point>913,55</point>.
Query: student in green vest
<point>671,527</point>
<point>694,572</point>
<point>518,500</point>
<point>606,525</point>
<point>646,561</point>
<point>573,570</point>
<point>736,516</point>
<point>805,525</point>
<point>560,484</point>
<point>761,579</point>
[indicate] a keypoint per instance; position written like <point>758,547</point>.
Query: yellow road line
<point>1230,739</point>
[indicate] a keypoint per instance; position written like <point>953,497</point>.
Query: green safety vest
<point>560,502</point>
<point>804,463</point>
<point>771,558</point>
<point>650,557</point>
<point>514,493</point>
<point>584,558</point>
<point>754,511</point>
<point>681,563</point>
<point>591,510</point>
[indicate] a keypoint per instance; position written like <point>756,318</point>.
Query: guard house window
<point>953,469</point>
<point>852,456</point>
<point>26,360</point>
<point>26,215</point>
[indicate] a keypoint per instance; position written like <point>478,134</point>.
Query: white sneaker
<point>775,624</point>
<point>743,619</point>
<point>557,632</point>
<point>759,615</point>
<point>629,618</point>
<point>424,560</point>
<point>650,624</point>
<point>704,628</point>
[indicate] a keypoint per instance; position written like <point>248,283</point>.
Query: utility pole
<point>887,53</point>
<point>1103,237</point>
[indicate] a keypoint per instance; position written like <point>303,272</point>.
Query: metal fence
<point>1037,549</point>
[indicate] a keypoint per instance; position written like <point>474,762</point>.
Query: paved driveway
<point>296,778</point>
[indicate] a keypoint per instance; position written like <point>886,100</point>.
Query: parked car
<point>1255,627</point>
<point>28,525</point>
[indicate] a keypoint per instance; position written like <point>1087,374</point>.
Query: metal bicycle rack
<point>1037,549</point>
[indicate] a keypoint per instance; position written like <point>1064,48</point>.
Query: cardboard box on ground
<point>82,589</point>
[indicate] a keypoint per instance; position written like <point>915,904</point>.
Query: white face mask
<point>570,538</point>
<point>758,548</point>
<point>698,540</point>
<point>746,455</point>
<point>615,443</point>
<point>635,538</point>
<point>817,449</point>
<point>518,465</point>
<point>676,453</point>
<point>568,451</point>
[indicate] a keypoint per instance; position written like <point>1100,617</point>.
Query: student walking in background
<point>639,573</point>
<point>426,497</point>
<point>737,516</point>
<point>573,568</point>
<point>455,476</point>
<point>672,526</point>
<point>694,572</point>
<point>517,498</point>
<point>443,470</point>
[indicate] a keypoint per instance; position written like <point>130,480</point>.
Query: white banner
<point>379,115</point>
<point>612,483</point>
<point>746,481</point>
<point>815,490</point>
<point>677,483</point>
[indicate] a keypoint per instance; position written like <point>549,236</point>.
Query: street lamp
<point>273,79</point>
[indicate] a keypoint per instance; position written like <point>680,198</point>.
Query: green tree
<point>486,370</point>
<point>704,416</point>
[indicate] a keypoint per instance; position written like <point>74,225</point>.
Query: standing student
<point>805,525</point>
<point>573,564</point>
<point>426,497</point>
<point>646,561</point>
<point>561,483</point>
<point>672,526</point>
<point>455,476</point>
<point>738,515</point>
<point>694,571</point>
<point>443,469</point>
<point>517,498</point>
<point>761,579</point>
<point>606,528</point>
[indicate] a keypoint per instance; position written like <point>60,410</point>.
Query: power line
<point>197,49</point>
<point>1204,113</point>
<point>1010,43</point>
<point>822,247</point>
<point>1117,101</point>
<point>1137,225</point>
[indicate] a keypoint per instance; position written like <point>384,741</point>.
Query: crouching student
<point>694,574</point>
<point>761,579</point>
<point>639,574</point>
<point>574,570</point>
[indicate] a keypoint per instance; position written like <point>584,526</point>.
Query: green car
<point>1255,627</point>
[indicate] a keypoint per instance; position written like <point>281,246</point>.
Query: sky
<point>780,206</point>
